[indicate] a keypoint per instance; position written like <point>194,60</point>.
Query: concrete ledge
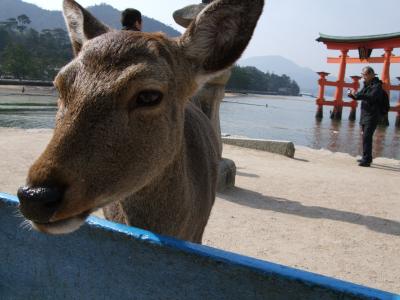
<point>285,148</point>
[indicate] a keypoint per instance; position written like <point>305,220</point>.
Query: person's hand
<point>351,94</point>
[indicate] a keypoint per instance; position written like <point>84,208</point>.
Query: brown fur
<point>155,167</point>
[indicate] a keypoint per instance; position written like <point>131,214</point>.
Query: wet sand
<point>319,212</point>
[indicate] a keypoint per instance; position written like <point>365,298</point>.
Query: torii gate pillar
<point>337,109</point>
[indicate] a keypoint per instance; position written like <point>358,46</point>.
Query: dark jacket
<point>370,96</point>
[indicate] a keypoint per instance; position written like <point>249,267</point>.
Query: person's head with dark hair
<point>131,19</point>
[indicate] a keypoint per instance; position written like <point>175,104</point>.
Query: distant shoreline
<point>22,90</point>
<point>50,91</point>
<point>15,85</point>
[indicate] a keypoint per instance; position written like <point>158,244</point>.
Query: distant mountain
<point>306,78</point>
<point>45,19</point>
<point>40,18</point>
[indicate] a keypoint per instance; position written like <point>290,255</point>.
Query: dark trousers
<point>368,133</point>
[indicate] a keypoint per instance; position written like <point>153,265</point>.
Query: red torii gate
<point>364,45</point>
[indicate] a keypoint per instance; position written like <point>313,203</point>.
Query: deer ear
<point>220,34</point>
<point>82,26</point>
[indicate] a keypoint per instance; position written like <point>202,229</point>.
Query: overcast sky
<point>287,27</point>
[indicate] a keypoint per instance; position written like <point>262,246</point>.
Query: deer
<point>127,139</point>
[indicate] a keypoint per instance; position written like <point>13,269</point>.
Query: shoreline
<point>33,88</point>
<point>317,212</point>
<point>16,90</point>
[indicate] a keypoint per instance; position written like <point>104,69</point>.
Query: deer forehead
<point>115,60</point>
<point>76,79</point>
<point>117,49</point>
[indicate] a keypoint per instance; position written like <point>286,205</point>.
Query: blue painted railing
<point>104,260</point>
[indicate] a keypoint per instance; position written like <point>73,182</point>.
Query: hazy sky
<point>287,27</point>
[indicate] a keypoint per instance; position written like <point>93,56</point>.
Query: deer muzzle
<point>39,204</point>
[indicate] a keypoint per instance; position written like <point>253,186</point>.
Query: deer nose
<point>39,203</point>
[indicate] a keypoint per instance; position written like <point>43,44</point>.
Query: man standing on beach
<point>131,19</point>
<point>370,96</point>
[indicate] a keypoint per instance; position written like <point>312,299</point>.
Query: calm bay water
<point>265,117</point>
<point>293,119</point>
<point>27,111</point>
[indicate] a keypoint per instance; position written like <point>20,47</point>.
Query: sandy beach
<point>318,212</point>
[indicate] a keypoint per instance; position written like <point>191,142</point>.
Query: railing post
<point>354,103</point>
<point>321,95</point>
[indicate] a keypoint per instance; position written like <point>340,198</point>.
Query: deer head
<point>121,109</point>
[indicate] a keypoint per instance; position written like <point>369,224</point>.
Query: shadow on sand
<point>247,174</point>
<point>300,159</point>
<point>259,201</point>
<point>387,168</point>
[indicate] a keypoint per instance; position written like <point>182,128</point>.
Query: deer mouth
<point>64,226</point>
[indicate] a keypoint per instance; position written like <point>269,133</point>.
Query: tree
<point>4,38</point>
<point>26,53</point>
<point>17,61</point>
<point>239,79</point>
<point>250,78</point>
<point>22,20</point>
<point>11,24</point>
<point>294,87</point>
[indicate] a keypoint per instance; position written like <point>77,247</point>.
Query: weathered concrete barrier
<point>279,147</point>
<point>105,260</point>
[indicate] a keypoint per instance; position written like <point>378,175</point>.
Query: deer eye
<point>148,98</point>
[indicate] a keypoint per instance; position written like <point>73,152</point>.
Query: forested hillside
<point>29,54</point>
<point>252,79</point>
<point>26,53</point>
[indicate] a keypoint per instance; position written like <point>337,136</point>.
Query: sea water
<point>253,116</point>
<point>293,119</point>
<point>27,110</point>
